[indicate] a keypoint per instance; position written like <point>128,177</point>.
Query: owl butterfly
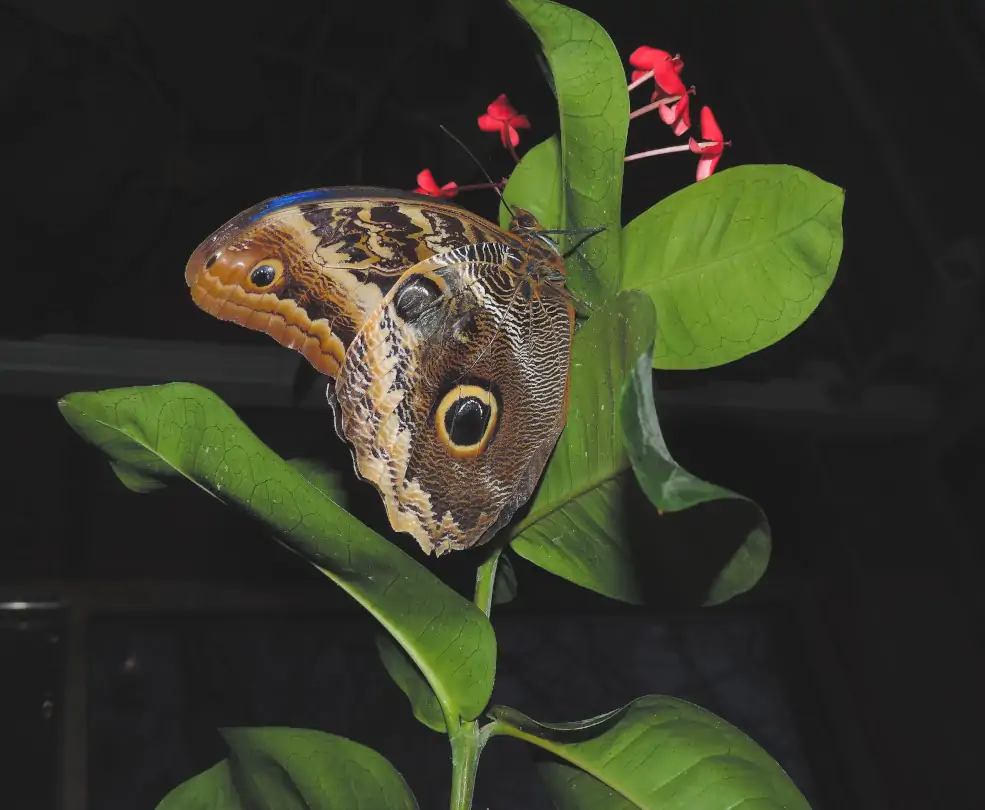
<point>448,340</point>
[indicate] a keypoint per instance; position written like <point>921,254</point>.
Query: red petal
<point>427,182</point>
<point>678,63</point>
<point>667,79</point>
<point>647,57</point>
<point>501,108</point>
<point>449,189</point>
<point>706,165</point>
<point>682,111</point>
<point>709,126</point>
<point>489,124</point>
<point>677,115</point>
<point>638,74</point>
<point>709,149</point>
<point>520,121</point>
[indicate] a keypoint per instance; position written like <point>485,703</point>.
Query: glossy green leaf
<point>735,262</point>
<point>324,478</point>
<point>210,790</point>
<point>293,769</point>
<point>661,753</point>
<point>535,185</point>
<point>593,106</point>
<point>185,430</point>
<point>573,789</point>
<point>590,521</point>
<point>412,683</point>
<point>725,560</point>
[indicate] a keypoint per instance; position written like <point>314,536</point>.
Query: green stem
<point>466,745</point>
<point>485,581</point>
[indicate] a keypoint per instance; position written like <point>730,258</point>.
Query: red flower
<point>677,115</point>
<point>665,68</point>
<point>712,146</point>
<point>426,184</point>
<point>502,118</point>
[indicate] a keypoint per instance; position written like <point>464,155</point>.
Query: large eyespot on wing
<point>453,411</point>
<point>466,420</point>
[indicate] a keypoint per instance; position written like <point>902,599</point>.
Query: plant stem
<point>485,580</point>
<point>466,745</point>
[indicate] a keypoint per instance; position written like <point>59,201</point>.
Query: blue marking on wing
<point>287,200</point>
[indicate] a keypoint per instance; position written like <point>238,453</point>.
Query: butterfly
<point>447,340</point>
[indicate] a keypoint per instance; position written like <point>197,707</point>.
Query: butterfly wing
<point>454,392</point>
<point>308,267</point>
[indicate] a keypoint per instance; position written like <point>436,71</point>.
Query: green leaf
<point>593,106</point>
<point>412,683</point>
<point>210,790</point>
<point>659,753</point>
<point>535,185</point>
<point>325,479</point>
<point>735,262</point>
<point>293,769</point>
<point>285,768</point>
<point>591,523</point>
<point>183,430</point>
<point>573,789</point>
<point>505,586</point>
<point>716,564</point>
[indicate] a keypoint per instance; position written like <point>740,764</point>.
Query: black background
<point>130,132</point>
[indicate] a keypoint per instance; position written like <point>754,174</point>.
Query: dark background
<point>133,626</point>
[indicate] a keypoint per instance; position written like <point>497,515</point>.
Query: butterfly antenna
<point>590,233</point>
<point>482,168</point>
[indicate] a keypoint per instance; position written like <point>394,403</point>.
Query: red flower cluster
<point>500,117</point>
<point>666,73</point>
<point>671,99</point>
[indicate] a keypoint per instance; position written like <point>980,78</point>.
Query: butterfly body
<point>448,340</point>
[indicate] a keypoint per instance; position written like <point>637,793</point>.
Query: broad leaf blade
<point>210,790</point>
<point>735,262</point>
<point>573,789</point>
<point>300,769</point>
<point>661,753</point>
<point>535,185</point>
<point>323,478</point>
<point>423,702</point>
<point>593,107</point>
<point>590,523</point>
<point>183,430</point>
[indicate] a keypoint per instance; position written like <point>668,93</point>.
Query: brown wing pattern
<point>449,339</point>
<point>307,274</point>
<point>454,393</point>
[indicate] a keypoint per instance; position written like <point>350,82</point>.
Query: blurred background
<point>131,627</point>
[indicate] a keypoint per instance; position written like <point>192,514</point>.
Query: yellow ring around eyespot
<point>449,399</point>
<point>278,266</point>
